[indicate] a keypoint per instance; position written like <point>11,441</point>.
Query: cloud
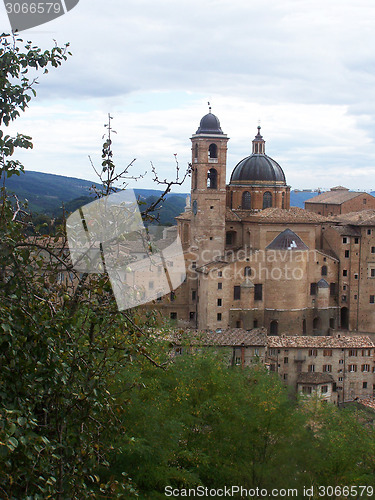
<point>306,69</point>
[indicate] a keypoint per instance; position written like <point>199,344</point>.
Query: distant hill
<point>298,198</point>
<point>46,193</point>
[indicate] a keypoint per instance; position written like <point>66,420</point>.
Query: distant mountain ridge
<point>47,192</point>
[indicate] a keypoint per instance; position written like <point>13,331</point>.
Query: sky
<point>304,69</point>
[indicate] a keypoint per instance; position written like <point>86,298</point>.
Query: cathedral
<point>253,261</point>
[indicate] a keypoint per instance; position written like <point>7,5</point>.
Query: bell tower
<point>208,190</point>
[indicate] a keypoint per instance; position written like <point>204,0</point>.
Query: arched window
<point>274,327</point>
<point>246,201</point>
<point>247,271</point>
<point>316,323</point>
<point>231,199</point>
<point>212,151</point>
<point>324,270</point>
<point>212,179</point>
<point>195,183</point>
<point>196,152</point>
<point>304,327</point>
<point>283,200</point>
<point>344,318</point>
<point>230,238</point>
<point>267,199</point>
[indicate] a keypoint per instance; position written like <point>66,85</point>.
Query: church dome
<point>258,166</point>
<point>209,125</point>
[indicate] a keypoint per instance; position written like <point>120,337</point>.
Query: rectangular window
<point>258,291</point>
<point>192,315</point>
<point>346,254</point>
<point>312,288</point>
<point>173,315</point>
<point>255,323</point>
<point>324,389</point>
<point>219,286</point>
<point>343,298</point>
<point>365,368</point>
<point>332,289</point>
<point>341,379</point>
<point>366,352</point>
<point>313,352</point>
<point>286,360</point>
<point>193,265</point>
<point>327,368</point>
<point>355,276</point>
<point>353,352</point>
<point>369,231</point>
<point>327,352</point>
<point>237,292</point>
<point>345,240</point>
<point>193,295</point>
<point>285,376</point>
<point>372,299</point>
<point>372,249</point>
<point>364,385</point>
<point>172,296</point>
<point>219,302</point>
<point>372,273</point>
<point>345,272</point>
<point>219,316</point>
<point>341,362</point>
<point>307,389</point>
<point>220,274</point>
<point>352,368</point>
<point>356,241</point>
<point>311,368</point>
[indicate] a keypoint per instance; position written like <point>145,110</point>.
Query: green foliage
<point>202,423</point>
<point>17,89</point>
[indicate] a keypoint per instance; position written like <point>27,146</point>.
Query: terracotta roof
<point>299,341</point>
<point>314,378</point>
<point>231,216</point>
<point>335,197</point>
<point>362,218</point>
<point>184,216</point>
<point>225,337</point>
<point>346,230</point>
<point>285,216</point>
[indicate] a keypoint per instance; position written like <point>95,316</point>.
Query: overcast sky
<point>305,69</point>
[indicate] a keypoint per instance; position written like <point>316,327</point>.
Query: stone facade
<point>285,269</point>
<point>343,365</point>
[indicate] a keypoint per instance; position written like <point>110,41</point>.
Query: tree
<point>61,339</point>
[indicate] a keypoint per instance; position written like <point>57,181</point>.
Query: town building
<point>253,261</point>
<point>338,368</point>
<point>339,200</point>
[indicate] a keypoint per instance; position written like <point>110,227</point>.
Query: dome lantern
<point>259,143</point>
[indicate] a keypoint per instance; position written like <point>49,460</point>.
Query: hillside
<point>46,193</point>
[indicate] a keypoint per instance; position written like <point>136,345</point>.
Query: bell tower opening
<point>212,179</point>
